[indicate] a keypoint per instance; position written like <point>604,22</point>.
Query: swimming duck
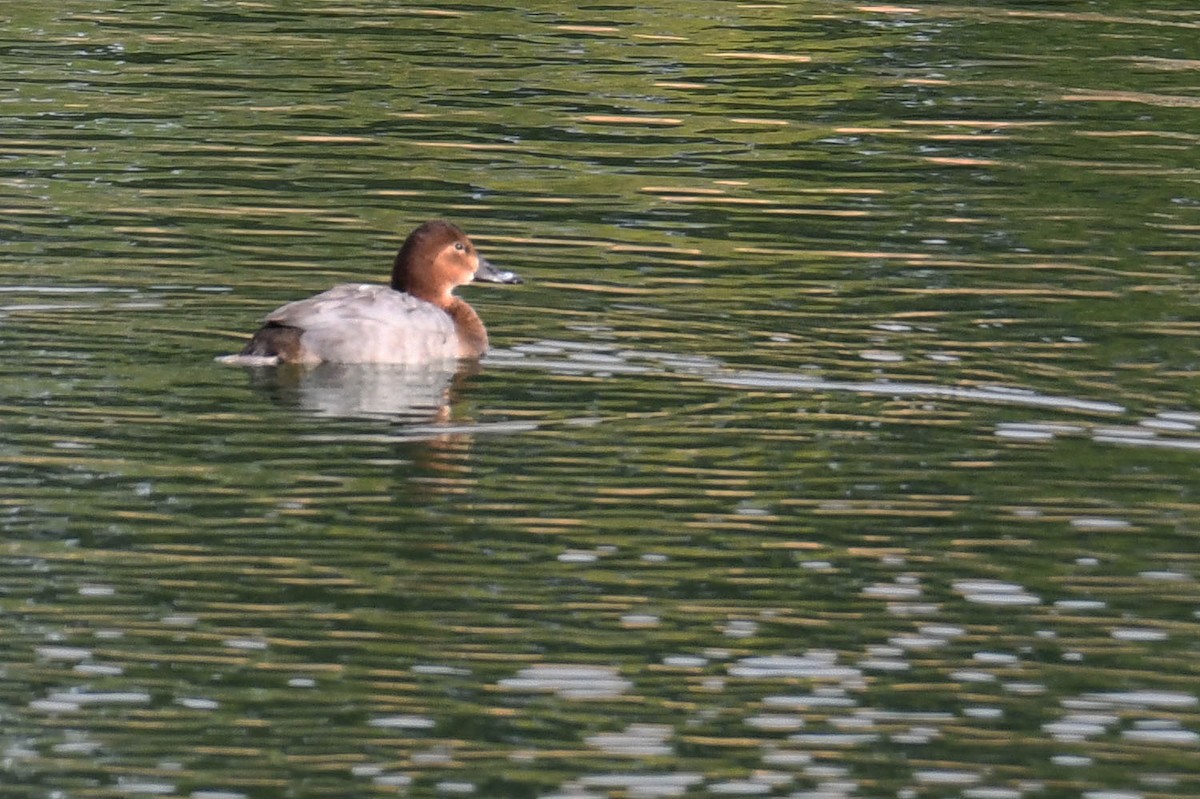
<point>414,320</point>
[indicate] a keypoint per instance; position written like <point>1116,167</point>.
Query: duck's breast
<point>362,323</point>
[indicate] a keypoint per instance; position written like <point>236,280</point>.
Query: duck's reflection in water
<point>418,393</point>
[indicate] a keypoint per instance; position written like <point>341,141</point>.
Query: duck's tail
<point>272,344</point>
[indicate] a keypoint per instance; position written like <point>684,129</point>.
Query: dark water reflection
<point>842,442</point>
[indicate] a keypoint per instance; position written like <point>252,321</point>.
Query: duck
<point>416,319</point>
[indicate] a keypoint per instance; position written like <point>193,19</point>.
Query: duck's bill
<point>486,273</point>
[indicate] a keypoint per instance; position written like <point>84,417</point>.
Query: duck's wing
<point>364,323</point>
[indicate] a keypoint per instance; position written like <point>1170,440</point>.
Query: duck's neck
<point>472,337</point>
<point>423,290</point>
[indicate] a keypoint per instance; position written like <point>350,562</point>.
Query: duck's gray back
<point>364,323</point>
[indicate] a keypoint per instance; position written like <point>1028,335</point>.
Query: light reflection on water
<point>424,393</point>
<point>840,444</point>
<point>417,393</point>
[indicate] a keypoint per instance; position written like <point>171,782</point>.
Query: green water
<point>842,441</point>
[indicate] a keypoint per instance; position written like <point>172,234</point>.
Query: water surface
<point>842,441</point>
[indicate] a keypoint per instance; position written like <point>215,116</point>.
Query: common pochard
<point>414,320</point>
